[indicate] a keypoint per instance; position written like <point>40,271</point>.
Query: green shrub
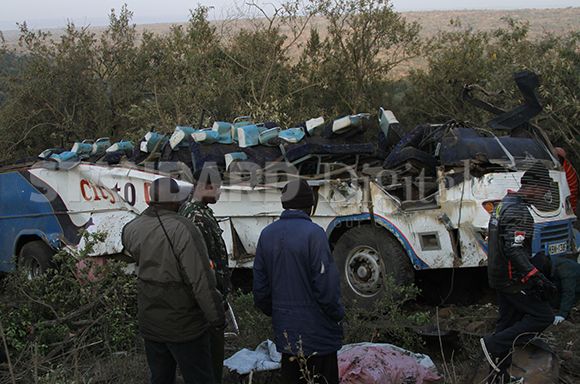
<point>61,315</point>
<point>386,320</point>
<point>255,327</point>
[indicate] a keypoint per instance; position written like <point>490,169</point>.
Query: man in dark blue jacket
<point>296,283</point>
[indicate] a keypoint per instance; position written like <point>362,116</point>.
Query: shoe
<point>488,357</point>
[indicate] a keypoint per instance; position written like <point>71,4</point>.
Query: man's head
<point>208,184</point>
<point>561,153</point>
<point>297,194</point>
<point>535,183</point>
<point>167,194</point>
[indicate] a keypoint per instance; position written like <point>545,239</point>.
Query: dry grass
<point>558,21</point>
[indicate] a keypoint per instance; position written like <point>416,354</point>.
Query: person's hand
<point>558,320</point>
<point>541,287</point>
<point>541,280</point>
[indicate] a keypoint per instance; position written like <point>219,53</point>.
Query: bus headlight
<point>490,205</point>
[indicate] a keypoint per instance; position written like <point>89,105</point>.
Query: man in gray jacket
<point>177,297</point>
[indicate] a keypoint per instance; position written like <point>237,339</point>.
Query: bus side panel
<point>23,210</point>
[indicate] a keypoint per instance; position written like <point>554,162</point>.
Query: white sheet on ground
<point>263,358</point>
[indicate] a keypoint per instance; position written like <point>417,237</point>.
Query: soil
<point>460,354</point>
<point>450,338</point>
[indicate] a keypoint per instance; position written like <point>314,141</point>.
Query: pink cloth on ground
<point>374,364</point>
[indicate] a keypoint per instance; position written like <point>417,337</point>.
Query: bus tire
<point>35,258</point>
<point>365,255</point>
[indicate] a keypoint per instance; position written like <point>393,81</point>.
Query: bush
<point>55,320</point>
<point>387,320</point>
<point>255,327</point>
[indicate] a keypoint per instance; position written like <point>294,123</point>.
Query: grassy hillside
<point>558,21</point>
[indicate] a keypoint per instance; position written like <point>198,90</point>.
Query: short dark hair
<point>297,194</point>
<point>165,190</point>
<point>207,175</point>
<point>537,174</point>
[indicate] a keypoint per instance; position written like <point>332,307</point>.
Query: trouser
<point>318,369</point>
<point>193,358</point>
<point>216,341</point>
<point>521,318</point>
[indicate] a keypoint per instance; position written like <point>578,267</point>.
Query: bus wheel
<point>365,256</point>
<point>35,258</point>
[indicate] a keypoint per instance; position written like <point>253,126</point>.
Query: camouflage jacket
<point>203,217</point>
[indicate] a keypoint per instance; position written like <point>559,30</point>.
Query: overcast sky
<point>55,13</point>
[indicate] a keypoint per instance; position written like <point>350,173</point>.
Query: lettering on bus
<point>92,192</point>
<point>146,188</point>
<point>130,192</point>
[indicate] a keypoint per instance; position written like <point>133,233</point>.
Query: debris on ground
<point>553,357</point>
<point>535,362</point>
<point>367,363</point>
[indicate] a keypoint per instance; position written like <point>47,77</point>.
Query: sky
<point>56,13</point>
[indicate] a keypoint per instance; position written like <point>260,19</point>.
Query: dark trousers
<point>192,357</point>
<point>216,341</point>
<point>521,318</point>
<point>321,369</point>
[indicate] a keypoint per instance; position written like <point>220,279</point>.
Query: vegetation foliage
<point>386,321</point>
<point>121,84</point>
<point>73,311</point>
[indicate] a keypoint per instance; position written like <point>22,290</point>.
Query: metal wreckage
<point>391,202</point>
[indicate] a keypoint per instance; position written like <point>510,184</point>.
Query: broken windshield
<point>461,144</point>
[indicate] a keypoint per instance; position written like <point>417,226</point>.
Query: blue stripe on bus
<point>417,262</point>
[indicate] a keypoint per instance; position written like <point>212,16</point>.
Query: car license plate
<point>554,249</point>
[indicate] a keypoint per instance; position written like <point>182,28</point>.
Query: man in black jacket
<point>177,298</point>
<point>522,291</point>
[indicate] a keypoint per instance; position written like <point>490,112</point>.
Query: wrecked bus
<point>398,203</point>
<point>426,207</point>
<point>394,221</point>
<point>391,204</point>
<point>407,214</point>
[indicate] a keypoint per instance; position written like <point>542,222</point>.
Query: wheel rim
<point>363,271</point>
<point>33,268</point>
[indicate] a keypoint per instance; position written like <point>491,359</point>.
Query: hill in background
<point>558,21</point>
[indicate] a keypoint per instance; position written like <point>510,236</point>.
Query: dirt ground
<point>457,353</point>
<point>460,355</point>
<point>461,347</point>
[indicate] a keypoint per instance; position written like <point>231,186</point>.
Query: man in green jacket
<point>178,302</point>
<point>207,191</point>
